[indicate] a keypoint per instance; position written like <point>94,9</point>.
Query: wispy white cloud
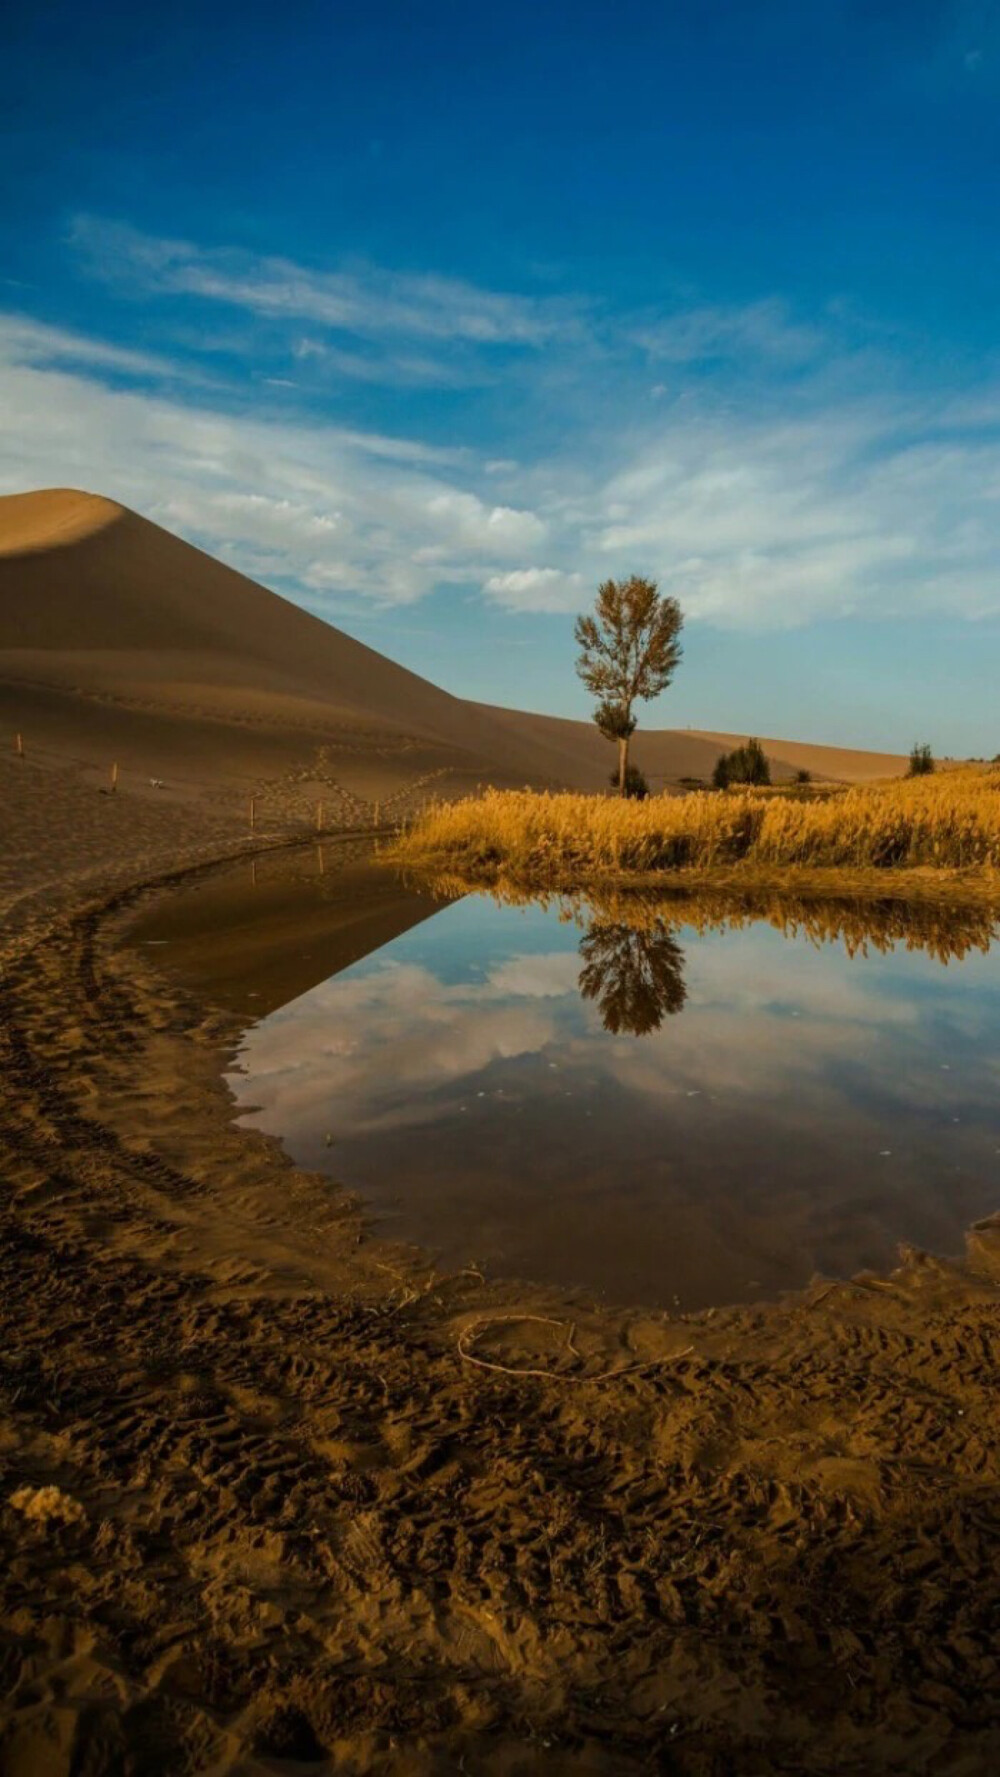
<point>26,341</point>
<point>367,302</point>
<point>399,367</point>
<point>860,507</point>
<point>536,589</point>
<point>762,329</point>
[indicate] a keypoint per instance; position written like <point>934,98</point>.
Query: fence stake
<point>114,778</point>
<point>253,813</point>
<point>19,746</point>
<point>319,817</point>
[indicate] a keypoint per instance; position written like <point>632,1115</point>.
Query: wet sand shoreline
<point>295,1524</point>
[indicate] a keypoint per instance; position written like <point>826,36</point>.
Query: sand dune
<point>97,599</point>
<point>118,639</point>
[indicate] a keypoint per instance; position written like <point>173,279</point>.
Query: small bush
<point>921,761</point>
<point>803,777</point>
<point>635,783</point>
<point>744,765</point>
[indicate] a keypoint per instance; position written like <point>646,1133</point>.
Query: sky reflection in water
<point>666,1116</point>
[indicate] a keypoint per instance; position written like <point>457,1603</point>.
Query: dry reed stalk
<point>950,821</point>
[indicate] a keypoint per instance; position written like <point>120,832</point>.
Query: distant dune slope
<point>103,613</point>
<point>668,755</point>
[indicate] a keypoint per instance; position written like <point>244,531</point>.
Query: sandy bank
<point>291,1522</point>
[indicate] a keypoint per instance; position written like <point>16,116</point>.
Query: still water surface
<point>672,1115</point>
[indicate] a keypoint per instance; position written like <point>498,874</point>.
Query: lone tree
<point>628,650</point>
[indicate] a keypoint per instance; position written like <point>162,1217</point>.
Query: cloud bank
<point>769,470</point>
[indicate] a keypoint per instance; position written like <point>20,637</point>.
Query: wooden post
<point>376,814</point>
<point>253,813</point>
<point>319,817</point>
<point>114,778</point>
<point>19,746</point>
<point>319,854</point>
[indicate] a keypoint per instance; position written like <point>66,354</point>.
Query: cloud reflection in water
<point>659,1112</point>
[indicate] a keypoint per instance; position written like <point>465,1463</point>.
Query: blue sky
<point>433,316</point>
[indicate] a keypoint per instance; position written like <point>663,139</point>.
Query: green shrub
<point>921,761</point>
<point>744,765</point>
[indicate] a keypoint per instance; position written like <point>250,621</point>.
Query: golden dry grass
<point>948,822</point>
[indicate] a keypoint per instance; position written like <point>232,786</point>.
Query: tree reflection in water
<point>636,977</point>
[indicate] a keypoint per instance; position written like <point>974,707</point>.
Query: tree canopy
<point>629,650</point>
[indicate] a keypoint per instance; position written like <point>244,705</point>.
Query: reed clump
<point>949,821</point>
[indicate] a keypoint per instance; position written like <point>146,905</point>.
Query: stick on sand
<point>476,1327</point>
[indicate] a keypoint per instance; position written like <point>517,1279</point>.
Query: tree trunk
<point>622,762</point>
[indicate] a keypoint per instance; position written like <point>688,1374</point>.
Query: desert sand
<point>260,1510</point>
